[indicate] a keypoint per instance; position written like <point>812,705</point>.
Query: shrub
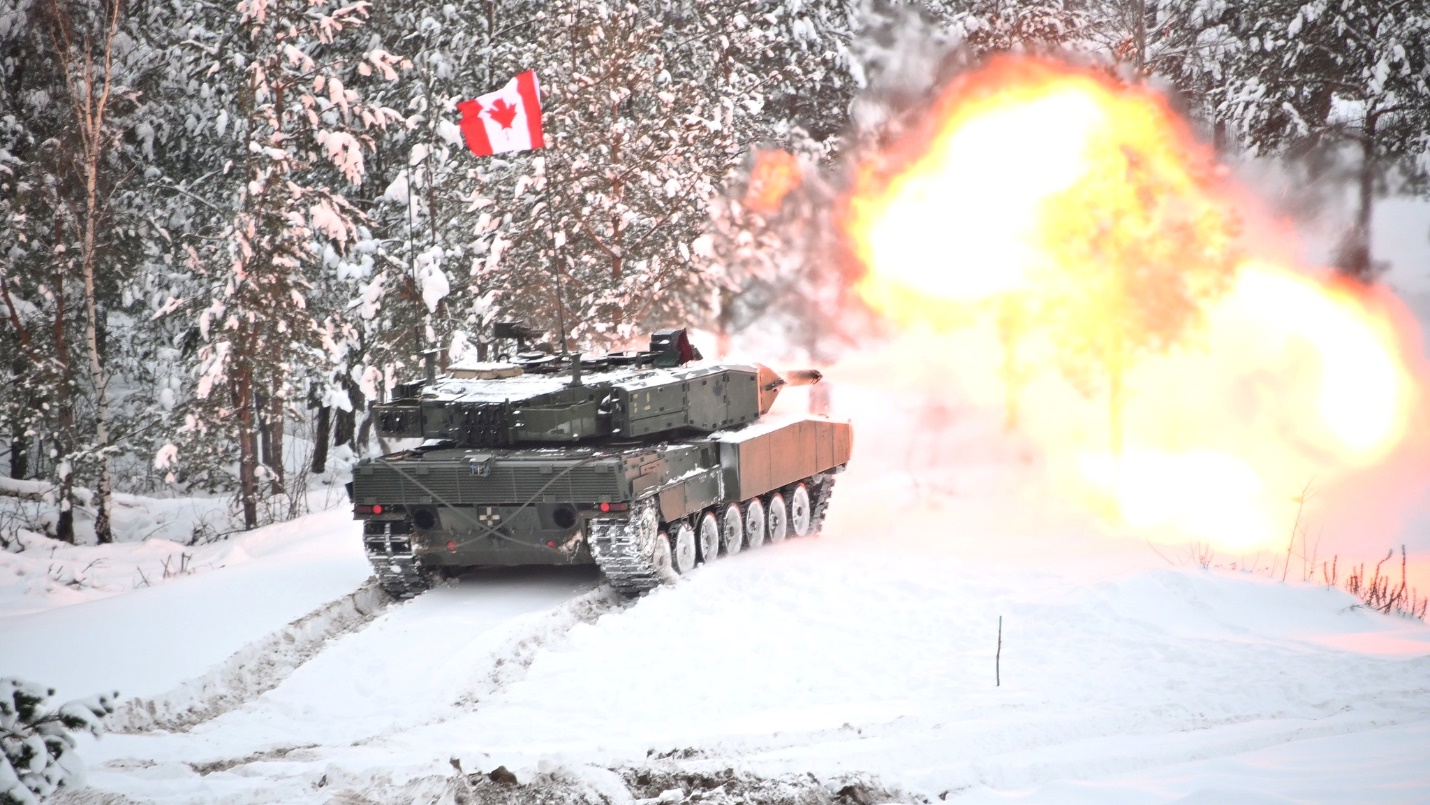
<point>37,743</point>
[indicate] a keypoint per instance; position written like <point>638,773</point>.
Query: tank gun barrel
<point>805,377</point>
<point>770,382</point>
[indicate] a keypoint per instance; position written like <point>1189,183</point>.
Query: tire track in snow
<point>266,664</point>
<point>513,659</point>
<point>253,670</point>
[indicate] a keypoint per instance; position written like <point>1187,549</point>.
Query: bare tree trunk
<point>724,323</point>
<point>103,530</point>
<point>617,250</point>
<point>260,424</point>
<point>344,427</point>
<point>1354,259</point>
<point>365,432</point>
<point>19,435</point>
<point>64,524</point>
<point>65,438</point>
<point>275,443</point>
<point>19,439</point>
<point>19,450</point>
<point>247,444</point>
<point>1139,31</point>
<point>320,439</point>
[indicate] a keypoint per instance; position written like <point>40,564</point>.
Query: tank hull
<point>454,508</point>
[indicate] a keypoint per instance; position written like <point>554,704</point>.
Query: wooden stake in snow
<point>998,658</point>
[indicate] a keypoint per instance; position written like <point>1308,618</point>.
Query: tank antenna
<point>560,303</point>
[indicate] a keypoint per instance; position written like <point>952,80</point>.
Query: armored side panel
<point>706,400</point>
<point>687,479</point>
<point>765,457</point>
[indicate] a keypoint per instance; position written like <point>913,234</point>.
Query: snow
<point>873,650</point>
<point>145,640</point>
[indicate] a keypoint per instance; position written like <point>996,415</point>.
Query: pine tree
<point>306,131</point>
<point>1318,76</point>
<point>639,139</point>
<point>37,743</point>
<point>69,91</point>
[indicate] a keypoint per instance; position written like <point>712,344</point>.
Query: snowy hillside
<point>865,661</point>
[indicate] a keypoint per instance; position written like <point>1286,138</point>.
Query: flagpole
<point>555,253</point>
<point>495,135</point>
<point>419,339</point>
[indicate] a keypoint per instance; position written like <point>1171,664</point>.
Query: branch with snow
<point>37,743</point>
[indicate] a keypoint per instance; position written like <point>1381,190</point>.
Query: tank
<point>645,463</point>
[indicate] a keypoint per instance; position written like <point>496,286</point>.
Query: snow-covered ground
<point>871,655</point>
<point>960,633</point>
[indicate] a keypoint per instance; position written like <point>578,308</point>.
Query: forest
<point>226,228</point>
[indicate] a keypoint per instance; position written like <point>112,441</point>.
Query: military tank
<point>646,463</point>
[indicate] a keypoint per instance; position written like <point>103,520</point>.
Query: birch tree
<point>94,80</point>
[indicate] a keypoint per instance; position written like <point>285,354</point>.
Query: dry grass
<point>1378,591</point>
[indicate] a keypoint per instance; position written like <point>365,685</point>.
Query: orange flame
<point>1107,242</point>
<point>774,175</point>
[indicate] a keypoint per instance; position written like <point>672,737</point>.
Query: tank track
<point>820,491</point>
<point>397,569</point>
<point>630,552</point>
<point>634,557</point>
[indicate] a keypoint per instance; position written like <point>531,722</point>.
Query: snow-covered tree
<point>37,742</point>
<point>640,137</point>
<point>91,54</point>
<point>305,133</point>
<point>1121,292</point>
<point>1319,75</point>
<point>73,233</point>
<point>444,217</point>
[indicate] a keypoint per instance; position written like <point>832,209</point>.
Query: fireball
<point>1083,219</point>
<point>774,175</point>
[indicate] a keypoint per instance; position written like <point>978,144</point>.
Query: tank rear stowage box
<point>641,462</point>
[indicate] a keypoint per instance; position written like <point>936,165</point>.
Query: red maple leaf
<point>502,112</point>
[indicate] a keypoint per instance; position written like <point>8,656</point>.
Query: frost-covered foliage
<point>267,313</point>
<point>288,213</point>
<point>37,740</point>
<point>640,139</point>
<point>1318,78</point>
<point>71,230</point>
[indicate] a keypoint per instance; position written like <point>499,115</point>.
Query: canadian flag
<point>506,120</point>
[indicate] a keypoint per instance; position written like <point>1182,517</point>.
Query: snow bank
<point>149,639</point>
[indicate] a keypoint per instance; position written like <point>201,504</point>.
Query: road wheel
<point>799,510</point>
<point>682,548</point>
<point>732,529</point>
<point>754,523</point>
<point>663,557</point>
<point>777,519</point>
<point>709,537</point>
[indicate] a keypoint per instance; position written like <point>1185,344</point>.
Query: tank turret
<point>645,462</point>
